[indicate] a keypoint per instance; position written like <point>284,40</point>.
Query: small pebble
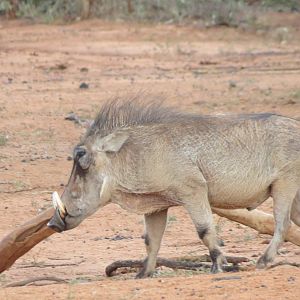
<point>84,85</point>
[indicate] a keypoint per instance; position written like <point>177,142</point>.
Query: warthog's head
<point>89,185</point>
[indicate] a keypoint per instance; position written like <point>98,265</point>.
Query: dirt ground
<point>216,70</point>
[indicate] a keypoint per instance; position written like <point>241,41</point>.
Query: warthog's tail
<point>295,213</point>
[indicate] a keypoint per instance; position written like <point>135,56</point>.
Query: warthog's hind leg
<point>155,226</point>
<point>283,193</point>
<point>295,213</point>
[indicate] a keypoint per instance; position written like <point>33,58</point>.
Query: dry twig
<point>35,279</point>
<point>283,263</point>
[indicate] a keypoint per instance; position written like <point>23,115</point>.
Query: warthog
<point>147,158</point>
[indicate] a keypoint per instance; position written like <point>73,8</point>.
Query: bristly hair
<point>120,113</point>
<point>144,110</point>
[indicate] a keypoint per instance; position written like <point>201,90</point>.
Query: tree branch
<point>258,220</point>
<point>186,263</point>
<point>31,280</point>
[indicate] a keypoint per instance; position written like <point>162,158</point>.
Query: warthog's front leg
<point>155,226</point>
<point>200,211</point>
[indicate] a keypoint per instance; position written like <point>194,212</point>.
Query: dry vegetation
<point>210,13</point>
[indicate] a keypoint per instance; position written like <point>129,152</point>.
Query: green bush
<point>4,5</point>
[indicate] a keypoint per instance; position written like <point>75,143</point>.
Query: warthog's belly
<point>141,203</point>
<point>239,199</point>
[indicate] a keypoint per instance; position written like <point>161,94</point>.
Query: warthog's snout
<point>57,222</point>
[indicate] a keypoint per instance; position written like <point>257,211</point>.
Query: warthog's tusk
<point>58,204</point>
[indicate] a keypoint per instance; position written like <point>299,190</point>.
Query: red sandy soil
<point>216,70</point>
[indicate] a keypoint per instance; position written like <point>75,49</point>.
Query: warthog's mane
<point>120,113</point>
<point>145,110</point>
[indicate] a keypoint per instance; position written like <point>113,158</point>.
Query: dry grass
<point>232,13</point>
<point>3,139</point>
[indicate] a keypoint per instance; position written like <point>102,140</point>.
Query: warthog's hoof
<point>262,262</point>
<point>143,274</point>
<point>216,266</point>
<point>260,265</point>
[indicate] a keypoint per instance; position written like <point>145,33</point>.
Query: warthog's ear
<point>112,142</point>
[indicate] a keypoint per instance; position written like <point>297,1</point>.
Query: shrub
<point>213,12</point>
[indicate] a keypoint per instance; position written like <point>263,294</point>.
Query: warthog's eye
<point>78,153</point>
<point>82,157</point>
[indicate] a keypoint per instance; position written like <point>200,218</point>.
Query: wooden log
<point>22,239</point>
<point>258,220</point>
